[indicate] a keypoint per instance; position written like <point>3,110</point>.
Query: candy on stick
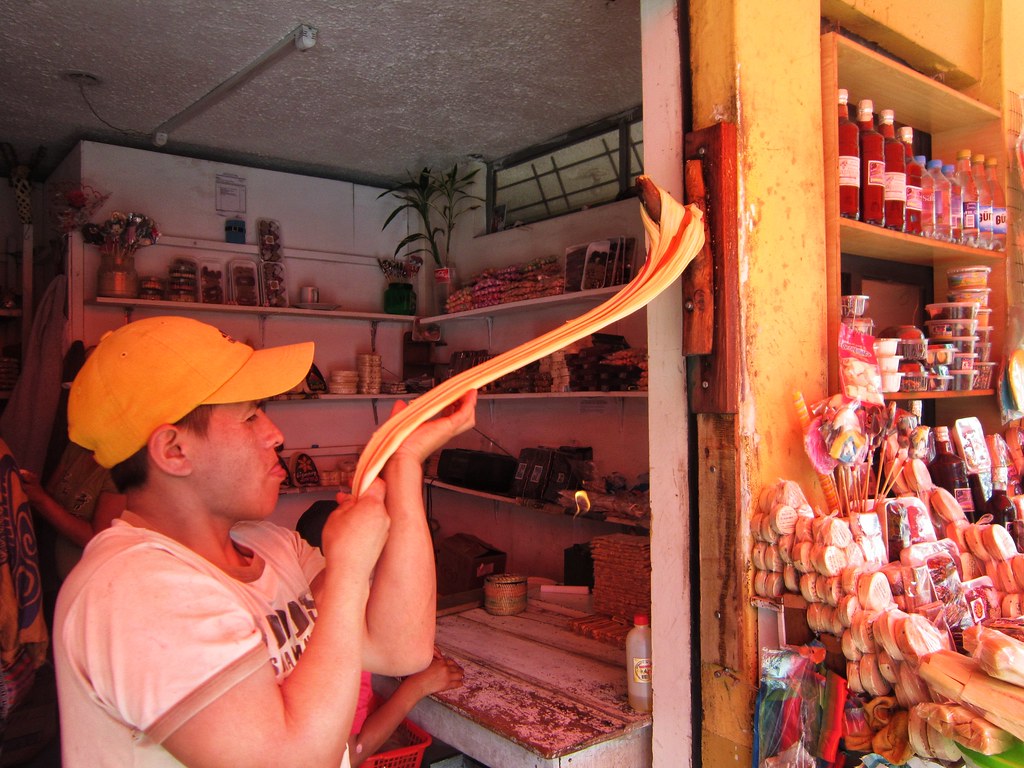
<point>676,236</point>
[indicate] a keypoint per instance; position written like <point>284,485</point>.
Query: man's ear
<point>168,450</point>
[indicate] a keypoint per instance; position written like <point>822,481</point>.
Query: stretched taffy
<point>676,235</point>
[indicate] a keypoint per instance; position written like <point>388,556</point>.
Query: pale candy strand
<point>673,244</point>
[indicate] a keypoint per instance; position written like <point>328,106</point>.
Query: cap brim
<point>266,373</point>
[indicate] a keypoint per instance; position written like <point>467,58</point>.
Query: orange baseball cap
<point>157,370</point>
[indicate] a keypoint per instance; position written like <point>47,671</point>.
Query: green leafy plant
<point>438,198</point>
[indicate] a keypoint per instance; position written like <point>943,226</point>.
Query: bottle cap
<point>906,133</point>
<point>641,620</point>
<point>935,164</point>
<point>963,153</point>
<point>920,160</point>
<point>978,159</point>
<point>866,105</point>
<point>942,433</point>
<point>992,160</point>
<point>888,116</point>
<point>844,96</point>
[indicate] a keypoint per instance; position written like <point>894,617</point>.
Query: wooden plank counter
<point>535,693</point>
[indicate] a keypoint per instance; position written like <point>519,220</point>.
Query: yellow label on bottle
<point>641,670</point>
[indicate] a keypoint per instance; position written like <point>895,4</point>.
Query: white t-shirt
<point>147,633</point>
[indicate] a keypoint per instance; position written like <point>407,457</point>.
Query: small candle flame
<point>582,502</point>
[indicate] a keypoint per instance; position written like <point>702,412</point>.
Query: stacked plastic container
<point>959,333</point>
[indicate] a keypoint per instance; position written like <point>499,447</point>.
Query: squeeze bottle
<point>638,664</point>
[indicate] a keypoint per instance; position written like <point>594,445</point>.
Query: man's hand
<point>432,435</point>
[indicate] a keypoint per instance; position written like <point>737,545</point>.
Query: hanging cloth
<point>27,420</point>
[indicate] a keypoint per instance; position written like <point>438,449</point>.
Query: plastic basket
<point>410,756</point>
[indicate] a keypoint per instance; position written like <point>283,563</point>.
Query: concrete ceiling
<point>389,85</point>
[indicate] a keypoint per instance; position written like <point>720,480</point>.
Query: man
<point>186,633</point>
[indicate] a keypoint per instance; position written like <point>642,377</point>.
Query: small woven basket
<point>504,594</point>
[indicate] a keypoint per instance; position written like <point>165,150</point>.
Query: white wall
<point>331,233</point>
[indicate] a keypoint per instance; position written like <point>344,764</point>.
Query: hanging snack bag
<point>858,366</point>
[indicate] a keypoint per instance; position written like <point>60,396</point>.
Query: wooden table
<point>535,693</point>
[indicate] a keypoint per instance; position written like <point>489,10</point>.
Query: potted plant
<point>437,199</point>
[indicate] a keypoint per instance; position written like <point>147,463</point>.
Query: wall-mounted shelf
<point>939,395</point>
<point>594,296</point>
<point>535,505</point>
<point>194,306</point>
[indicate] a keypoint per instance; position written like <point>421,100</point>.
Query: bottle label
<point>914,200</point>
<point>895,186</point>
<point>998,221</point>
<point>849,171</point>
<point>970,220</point>
<point>984,219</point>
<point>876,173</point>
<point>641,670</point>
<point>963,496</point>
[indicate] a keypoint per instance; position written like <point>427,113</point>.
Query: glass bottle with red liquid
<point>849,161</point>
<point>895,155</point>
<point>872,166</point>
<point>912,214</point>
<point>949,471</point>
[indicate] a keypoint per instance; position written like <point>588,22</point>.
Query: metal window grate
<point>588,167</point>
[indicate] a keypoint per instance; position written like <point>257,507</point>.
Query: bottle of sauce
<point>998,204</point>
<point>638,664</point>
<point>984,202</point>
<point>949,471</point>
<point>912,215</point>
<point>927,198</point>
<point>956,206</point>
<point>999,504</point>
<point>872,166</point>
<point>895,156</point>
<point>968,198</point>
<point>849,161</point>
<point>941,230</point>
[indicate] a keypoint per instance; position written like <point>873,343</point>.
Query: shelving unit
<point>953,120</point>
<point>593,296</point>
<point>536,505</point>
<point>193,306</point>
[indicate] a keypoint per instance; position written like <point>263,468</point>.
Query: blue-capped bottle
<point>927,198</point>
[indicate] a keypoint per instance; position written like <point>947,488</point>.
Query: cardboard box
<point>463,561</point>
<point>480,470</point>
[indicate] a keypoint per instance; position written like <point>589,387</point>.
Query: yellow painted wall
<point>940,37</point>
<point>758,64</point>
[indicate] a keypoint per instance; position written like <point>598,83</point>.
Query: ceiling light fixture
<point>302,38</point>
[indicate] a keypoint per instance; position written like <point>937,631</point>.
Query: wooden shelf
<point>594,296</point>
<point>193,306</point>
<point>534,504</point>
<point>562,395</point>
<point>938,395</point>
<point>862,239</point>
<point>926,104</point>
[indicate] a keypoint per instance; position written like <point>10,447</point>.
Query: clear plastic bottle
<point>638,664</point>
<point>895,154</point>
<point>956,206</point>
<point>995,187</point>
<point>942,228</point>
<point>984,202</point>
<point>968,198</point>
<point>927,198</point>
<point>915,171</point>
